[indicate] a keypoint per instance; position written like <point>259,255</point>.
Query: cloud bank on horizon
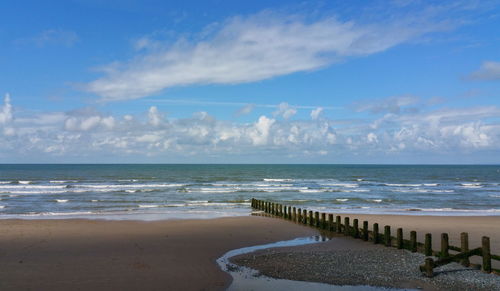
<point>416,126</point>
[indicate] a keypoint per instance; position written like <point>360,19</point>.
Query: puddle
<point>249,279</point>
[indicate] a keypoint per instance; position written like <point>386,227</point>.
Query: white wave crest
<point>148,205</point>
<point>277,180</point>
<point>403,185</point>
<point>62,200</point>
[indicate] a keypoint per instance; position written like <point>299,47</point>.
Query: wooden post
<point>299,215</point>
<point>355,228</point>
<point>304,216</point>
<point>339,224</point>
<point>486,252</point>
<point>289,212</point>
<point>428,244</point>
<point>399,238</point>
<point>294,215</point>
<point>444,246</point>
<point>272,208</point>
<point>464,247</point>
<point>330,222</point>
<point>387,235</point>
<point>365,230</point>
<point>316,219</point>
<point>429,267</point>
<point>375,233</point>
<point>311,219</point>
<point>281,210</point>
<point>413,241</point>
<point>323,220</point>
<point>347,227</point>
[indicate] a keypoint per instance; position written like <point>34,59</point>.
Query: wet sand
<point>176,254</point>
<point>128,255</point>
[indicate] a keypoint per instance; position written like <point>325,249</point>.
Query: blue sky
<point>250,81</point>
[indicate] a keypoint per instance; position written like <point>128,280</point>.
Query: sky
<point>150,81</point>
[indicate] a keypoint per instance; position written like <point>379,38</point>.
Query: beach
<point>170,254</point>
<point>128,255</point>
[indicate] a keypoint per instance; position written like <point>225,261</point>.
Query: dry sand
<point>128,255</point>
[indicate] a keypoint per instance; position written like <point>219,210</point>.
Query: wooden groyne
<point>326,222</point>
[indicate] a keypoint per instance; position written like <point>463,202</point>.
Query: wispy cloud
<point>257,47</point>
<point>489,71</point>
<point>47,37</point>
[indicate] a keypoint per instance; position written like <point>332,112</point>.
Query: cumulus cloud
<point>285,110</point>
<point>253,48</point>
<point>87,132</point>
<point>6,111</point>
<point>489,71</point>
<point>315,113</point>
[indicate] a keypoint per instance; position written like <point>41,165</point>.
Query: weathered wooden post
<point>304,216</point>
<point>355,228</point>
<point>375,233</point>
<point>444,246</point>
<point>299,215</point>
<point>347,227</point>
<point>330,222</point>
<point>323,220</point>
<point>316,219</point>
<point>413,241</point>
<point>281,210</point>
<point>311,218</point>
<point>290,213</point>
<point>272,208</point>
<point>265,207</point>
<point>464,247</point>
<point>428,244</point>
<point>365,230</point>
<point>399,238</point>
<point>387,235</point>
<point>429,267</point>
<point>486,253</point>
<point>338,224</point>
<point>294,215</point>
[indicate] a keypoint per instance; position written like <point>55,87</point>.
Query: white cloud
<point>155,117</point>
<point>489,71</point>
<point>285,110</point>
<point>315,113</point>
<point>87,132</point>
<point>253,48</point>
<point>6,111</point>
<point>259,133</point>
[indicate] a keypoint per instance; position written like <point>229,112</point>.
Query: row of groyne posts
<point>326,222</point>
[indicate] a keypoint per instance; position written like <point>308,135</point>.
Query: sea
<point>156,191</point>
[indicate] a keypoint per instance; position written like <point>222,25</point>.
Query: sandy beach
<point>128,255</point>
<point>172,254</point>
